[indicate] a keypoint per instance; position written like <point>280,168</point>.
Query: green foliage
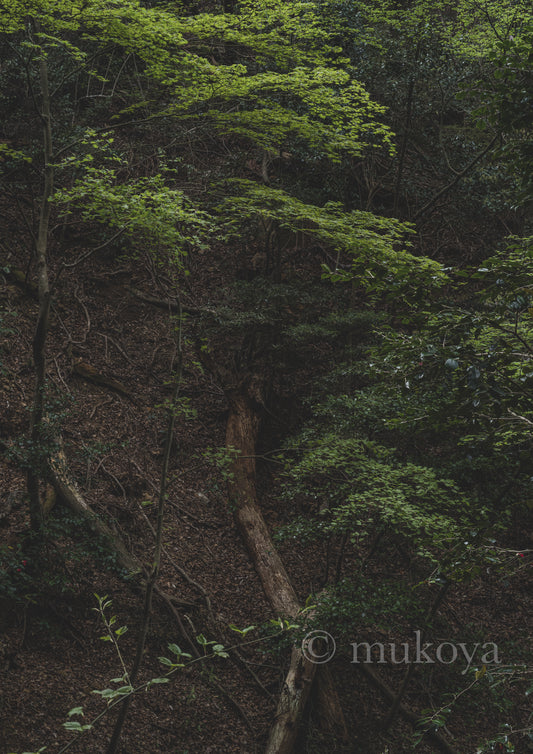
<point>16,581</point>
<point>370,242</point>
<point>422,439</point>
<point>241,631</point>
<point>211,646</point>
<point>508,105</point>
<point>256,73</point>
<point>470,27</point>
<point>334,327</point>
<point>323,108</point>
<point>451,392</point>
<point>223,459</point>
<point>278,32</point>
<point>433,65</point>
<point>366,491</point>
<point>357,602</point>
<point>477,358</point>
<point>300,94</point>
<point>285,86</point>
<point>146,210</point>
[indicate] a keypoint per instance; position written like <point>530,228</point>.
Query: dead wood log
<point>67,490</point>
<point>241,435</point>
<point>90,374</point>
<point>169,306</point>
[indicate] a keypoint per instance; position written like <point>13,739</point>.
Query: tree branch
<point>445,189</point>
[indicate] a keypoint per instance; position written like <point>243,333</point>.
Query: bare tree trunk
<point>241,435</point>
<point>406,128</point>
<point>153,574</point>
<point>41,329</point>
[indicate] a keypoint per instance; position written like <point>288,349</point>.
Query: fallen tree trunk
<point>169,305</point>
<point>67,490</point>
<point>241,435</point>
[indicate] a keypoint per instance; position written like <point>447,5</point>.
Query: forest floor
<point>52,657</point>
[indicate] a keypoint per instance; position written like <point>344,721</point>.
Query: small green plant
<point>432,720</point>
<point>15,581</point>
<point>123,689</point>
<point>113,635</point>
<point>222,459</point>
<point>217,649</point>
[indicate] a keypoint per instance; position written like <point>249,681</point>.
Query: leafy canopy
<point>259,72</point>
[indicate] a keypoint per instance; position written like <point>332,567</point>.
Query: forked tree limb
<point>444,190</point>
<point>406,713</point>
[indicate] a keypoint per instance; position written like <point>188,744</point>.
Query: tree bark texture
<point>241,436</point>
